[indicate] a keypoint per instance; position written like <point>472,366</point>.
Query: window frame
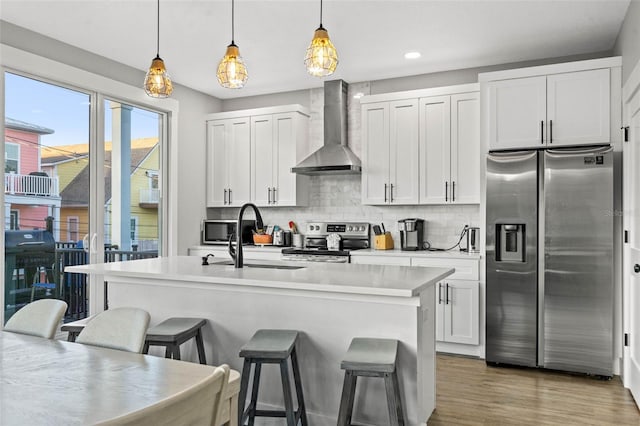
<point>17,160</point>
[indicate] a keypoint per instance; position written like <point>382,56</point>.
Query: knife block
<point>383,242</point>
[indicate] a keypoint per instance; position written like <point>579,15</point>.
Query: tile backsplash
<point>337,198</point>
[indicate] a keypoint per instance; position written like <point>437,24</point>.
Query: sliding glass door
<point>83,182</point>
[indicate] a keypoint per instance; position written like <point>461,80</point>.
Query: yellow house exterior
<point>72,170</point>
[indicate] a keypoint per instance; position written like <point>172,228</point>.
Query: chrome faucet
<point>236,254</point>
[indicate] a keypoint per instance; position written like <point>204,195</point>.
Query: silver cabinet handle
<point>446,191</point>
<point>275,198</point>
<point>268,195</point>
<point>550,131</point>
<point>636,268</point>
<point>225,196</point>
<point>439,293</point>
<point>453,190</point>
<point>447,300</point>
<point>542,132</point>
<point>229,195</point>
<point>391,193</point>
<point>385,192</point>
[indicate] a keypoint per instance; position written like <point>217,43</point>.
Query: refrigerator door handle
<point>579,151</point>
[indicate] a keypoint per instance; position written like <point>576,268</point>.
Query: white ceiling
<point>371,36</point>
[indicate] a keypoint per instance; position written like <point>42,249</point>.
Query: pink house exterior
<point>30,195</point>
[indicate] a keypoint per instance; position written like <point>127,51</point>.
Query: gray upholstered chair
<point>39,318</point>
<point>199,405</point>
<point>120,328</point>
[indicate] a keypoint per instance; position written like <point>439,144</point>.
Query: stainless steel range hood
<point>334,157</point>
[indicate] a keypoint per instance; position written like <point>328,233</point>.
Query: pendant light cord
<point>320,13</point>
<point>232,22</point>
<point>158,35</point>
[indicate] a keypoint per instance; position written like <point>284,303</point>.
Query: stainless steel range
<point>353,236</point>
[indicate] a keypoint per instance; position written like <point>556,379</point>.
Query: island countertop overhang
<point>372,280</point>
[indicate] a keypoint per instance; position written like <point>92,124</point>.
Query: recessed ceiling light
<point>412,55</point>
<point>358,95</point>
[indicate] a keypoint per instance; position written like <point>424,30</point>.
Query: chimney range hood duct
<point>334,157</point>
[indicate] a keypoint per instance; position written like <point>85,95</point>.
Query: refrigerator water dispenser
<point>511,242</point>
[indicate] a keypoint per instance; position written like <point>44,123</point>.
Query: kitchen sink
<point>260,265</point>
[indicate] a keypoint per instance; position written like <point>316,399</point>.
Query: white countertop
<point>451,254</point>
<point>398,281</point>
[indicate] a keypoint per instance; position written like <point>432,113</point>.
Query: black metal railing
<point>74,286</point>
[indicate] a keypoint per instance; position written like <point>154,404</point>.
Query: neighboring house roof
<point>52,155</point>
<point>12,123</point>
<point>76,193</point>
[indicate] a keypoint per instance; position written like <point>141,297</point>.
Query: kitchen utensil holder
<point>383,242</point>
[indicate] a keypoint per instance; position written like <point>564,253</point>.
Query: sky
<point>65,111</point>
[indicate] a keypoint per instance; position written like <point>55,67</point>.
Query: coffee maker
<point>411,234</point>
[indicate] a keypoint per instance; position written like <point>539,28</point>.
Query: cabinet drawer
<point>381,260</point>
<point>465,269</point>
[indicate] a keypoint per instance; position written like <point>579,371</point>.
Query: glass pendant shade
<point>232,73</point>
<point>157,83</point>
<point>321,58</point>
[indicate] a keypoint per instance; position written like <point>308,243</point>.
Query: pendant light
<point>157,83</point>
<point>232,73</point>
<point>321,58</point>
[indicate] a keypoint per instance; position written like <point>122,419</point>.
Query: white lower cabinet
<point>457,312</point>
<point>458,301</point>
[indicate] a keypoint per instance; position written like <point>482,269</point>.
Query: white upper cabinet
<point>450,149</point>
<point>403,147</point>
<point>465,148</point>
<point>435,149</point>
<point>517,113</point>
<point>390,152</point>
<point>422,149</point>
<point>228,165</point>
<point>578,108</point>
<point>375,153</point>
<point>250,156</point>
<point>559,109</point>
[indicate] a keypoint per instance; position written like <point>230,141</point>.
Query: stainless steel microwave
<point>218,231</point>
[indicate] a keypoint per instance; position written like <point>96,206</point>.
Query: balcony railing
<point>149,196</point>
<point>39,186</point>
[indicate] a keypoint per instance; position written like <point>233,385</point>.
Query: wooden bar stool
<point>271,347</point>
<point>173,332</point>
<point>372,358</point>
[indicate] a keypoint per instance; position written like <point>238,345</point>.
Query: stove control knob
<point>362,228</point>
<point>350,228</point>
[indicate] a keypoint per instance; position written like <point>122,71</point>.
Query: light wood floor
<point>471,393</point>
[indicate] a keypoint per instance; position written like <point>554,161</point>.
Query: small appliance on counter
<point>218,231</point>
<point>411,234</point>
<point>472,240</point>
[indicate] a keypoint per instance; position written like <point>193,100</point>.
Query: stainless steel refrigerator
<point>549,259</point>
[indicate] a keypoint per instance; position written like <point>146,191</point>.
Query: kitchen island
<point>329,303</point>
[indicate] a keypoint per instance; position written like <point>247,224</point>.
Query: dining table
<point>53,382</point>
